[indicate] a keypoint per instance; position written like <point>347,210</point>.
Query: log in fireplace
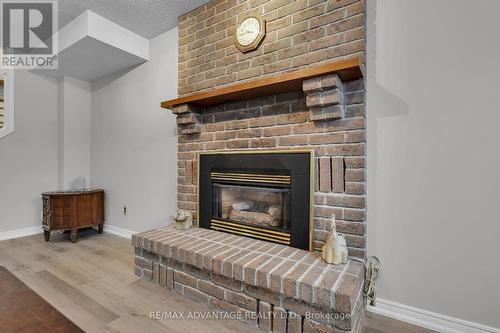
<point>259,194</point>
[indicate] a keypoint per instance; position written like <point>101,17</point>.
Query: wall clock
<point>249,33</point>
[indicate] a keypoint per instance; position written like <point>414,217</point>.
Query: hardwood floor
<point>93,284</point>
<point>23,310</point>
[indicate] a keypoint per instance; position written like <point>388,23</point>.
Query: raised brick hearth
<point>272,286</point>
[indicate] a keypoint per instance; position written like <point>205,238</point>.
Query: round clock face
<point>248,31</point>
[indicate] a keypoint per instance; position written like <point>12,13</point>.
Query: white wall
<point>28,156</point>
<point>433,154</point>
<point>134,142</point>
<point>74,113</point>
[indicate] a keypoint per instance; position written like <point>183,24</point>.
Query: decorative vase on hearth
<point>183,220</point>
<point>335,249</point>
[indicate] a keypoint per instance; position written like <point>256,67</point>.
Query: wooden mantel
<point>347,70</point>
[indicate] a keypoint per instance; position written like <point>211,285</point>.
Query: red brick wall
<point>299,33</point>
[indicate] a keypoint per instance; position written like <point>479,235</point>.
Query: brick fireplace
<point>327,114</point>
<point>301,89</point>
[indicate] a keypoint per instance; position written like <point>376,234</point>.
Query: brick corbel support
<point>324,97</point>
<point>188,118</point>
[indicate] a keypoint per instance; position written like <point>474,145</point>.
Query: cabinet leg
<point>47,235</point>
<point>73,236</point>
<point>100,227</point>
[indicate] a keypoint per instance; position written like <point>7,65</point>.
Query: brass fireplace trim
<point>253,178</point>
<point>311,153</point>
<point>261,233</point>
<point>267,231</point>
<point>253,175</point>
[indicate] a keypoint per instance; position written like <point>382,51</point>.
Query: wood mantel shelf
<point>347,70</point>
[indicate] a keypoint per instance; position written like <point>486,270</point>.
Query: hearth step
<point>267,284</point>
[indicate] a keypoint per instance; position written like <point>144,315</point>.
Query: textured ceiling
<point>147,18</point>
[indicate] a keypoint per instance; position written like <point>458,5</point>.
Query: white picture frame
<point>8,103</point>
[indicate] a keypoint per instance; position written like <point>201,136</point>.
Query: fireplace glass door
<point>251,204</point>
<point>256,206</point>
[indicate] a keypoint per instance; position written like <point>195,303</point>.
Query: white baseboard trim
<point>117,231</point>
<point>22,232</point>
<point>430,320</point>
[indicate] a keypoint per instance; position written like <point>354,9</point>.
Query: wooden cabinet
<point>72,210</point>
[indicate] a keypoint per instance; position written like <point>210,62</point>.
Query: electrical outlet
<point>124,210</point>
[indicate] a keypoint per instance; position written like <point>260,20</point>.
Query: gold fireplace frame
<point>311,153</point>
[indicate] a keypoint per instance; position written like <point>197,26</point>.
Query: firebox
<point>259,194</point>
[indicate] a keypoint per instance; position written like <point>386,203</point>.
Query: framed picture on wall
<point>6,102</point>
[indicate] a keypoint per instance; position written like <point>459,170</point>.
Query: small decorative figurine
<point>183,220</point>
<point>335,249</point>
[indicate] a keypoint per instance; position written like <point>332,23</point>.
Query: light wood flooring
<point>92,283</point>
